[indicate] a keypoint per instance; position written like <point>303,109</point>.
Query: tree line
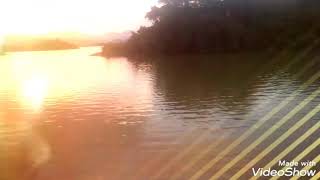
<point>210,26</point>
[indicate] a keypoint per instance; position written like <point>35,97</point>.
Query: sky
<point>32,17</point>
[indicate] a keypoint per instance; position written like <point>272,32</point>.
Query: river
<point>69,115</point>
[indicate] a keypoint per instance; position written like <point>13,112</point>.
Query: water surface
<point>70,115</point>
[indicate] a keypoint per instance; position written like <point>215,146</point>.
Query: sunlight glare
<point>1,40</point>
<point>34,91</point>
<point>87,16</point>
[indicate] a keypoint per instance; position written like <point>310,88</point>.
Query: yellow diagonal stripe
<point>172,161</point>
<point>187,150</point>
<point>266,134</point>
<point>205,134</point>
<point>316,177</point>
<point>285,52</point>
<point>160,157</point>
<point>283,137</point>
<point>211,146</point>
<point>292,62</point>
<point>301,155</point>
<point>256,126</point>
<point>290,148</point>
<point>305,52</point>
<point>195,159</point>
<point>316,160</point>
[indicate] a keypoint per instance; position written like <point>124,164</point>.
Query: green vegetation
<point>211,26</point>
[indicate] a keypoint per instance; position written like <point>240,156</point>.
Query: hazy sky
<point>88,16</point>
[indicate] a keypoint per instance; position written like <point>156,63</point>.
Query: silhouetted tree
<point>206,26</point>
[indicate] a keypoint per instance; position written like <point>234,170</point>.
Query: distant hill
<point>36,44</point>
<point>65,40</point>
<point>91,40</point>
<point>124,36</point>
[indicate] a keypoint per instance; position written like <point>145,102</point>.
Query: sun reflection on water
<point>34,91</point>
<point>40,80</point>
<point>56,88</point>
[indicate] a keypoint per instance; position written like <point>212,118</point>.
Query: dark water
<point>70,116</point>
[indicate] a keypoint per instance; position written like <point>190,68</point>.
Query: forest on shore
<point>212,26</point>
